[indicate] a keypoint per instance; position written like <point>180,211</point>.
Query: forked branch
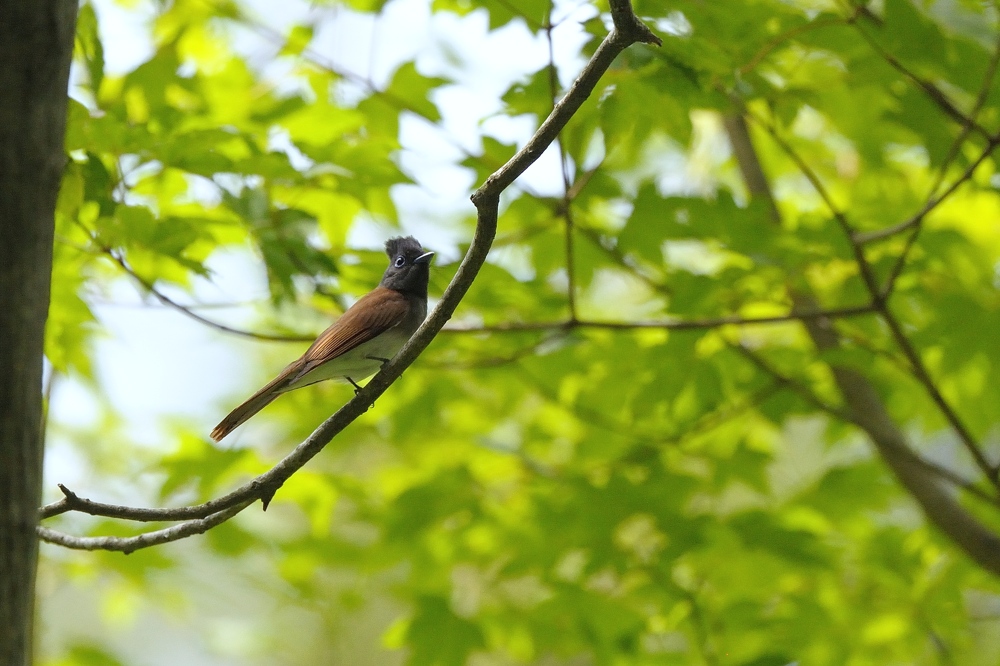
<point>869,413</point>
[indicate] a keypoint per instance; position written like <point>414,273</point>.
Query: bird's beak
<point>425,258</point>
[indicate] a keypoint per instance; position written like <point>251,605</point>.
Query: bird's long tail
<point>257,401</point>
<point>238,416</point>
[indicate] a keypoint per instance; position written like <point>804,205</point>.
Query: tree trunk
<point>36,44</point>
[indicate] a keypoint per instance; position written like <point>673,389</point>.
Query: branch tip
<point>631,26</point>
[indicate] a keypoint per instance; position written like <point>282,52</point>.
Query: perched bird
<point>362,340</point>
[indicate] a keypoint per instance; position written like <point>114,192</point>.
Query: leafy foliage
<point>543,487</point>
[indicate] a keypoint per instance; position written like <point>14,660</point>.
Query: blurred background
<point>560,479</point>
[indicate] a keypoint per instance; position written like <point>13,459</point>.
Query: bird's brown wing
<point>372,315</point>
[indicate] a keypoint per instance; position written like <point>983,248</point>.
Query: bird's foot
<point>381,360</point>
<point>357,389</point>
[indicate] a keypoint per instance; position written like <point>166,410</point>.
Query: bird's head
<point>409,266</point>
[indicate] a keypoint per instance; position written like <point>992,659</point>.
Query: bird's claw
<point>381,360</point>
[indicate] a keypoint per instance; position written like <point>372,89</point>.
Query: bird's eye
<point>399,261</point>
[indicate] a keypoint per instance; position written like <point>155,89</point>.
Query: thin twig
<point>635,268</point>
<point>570,260</point>
<point>932,91</point>
<point>704,423</point>
<point>566,206</point>
<point>486,362</point>
<point>768,48</point>
<point>648,441</point>
<point>977,106</point>
<point>188,312</point>
<point>917,221</point>
<point>864,267</point>
<point>583,180</point>
<point>145,540</point>
<point>976,539</point>
<point>844,415</point>
<point>73,502</point>
<point>923,376</point>
<point>879,234</point>
<point>680,325</point>
<point>794,385</point>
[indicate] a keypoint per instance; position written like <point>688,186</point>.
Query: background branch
<point>119,259</point>
<point>916,222</point>
<point>838,412</point>
<point>919,370</point>
<point>870,414</point>
<point>935,94</point>
<point>691,324</point>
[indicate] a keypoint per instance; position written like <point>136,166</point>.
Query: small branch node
<point>69,494</point>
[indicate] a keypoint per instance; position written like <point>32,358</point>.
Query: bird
<point>362,340</point>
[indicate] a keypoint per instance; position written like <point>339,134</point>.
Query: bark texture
<point>36,44</point>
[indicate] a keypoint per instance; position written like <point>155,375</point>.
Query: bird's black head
<point>409,266</point>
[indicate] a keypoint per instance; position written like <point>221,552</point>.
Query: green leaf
<point>92,655</point>
<point>89,47</point>
<point>407,91</point>
<point>298,39</point>
<point>438,637</point>
<point>758,529</point>
<point>533,96</point>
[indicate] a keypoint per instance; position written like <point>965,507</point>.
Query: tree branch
<point>931,90</point>
<point>870,414</point>
<point>130,544</point>
<point>807,394</point>
<point>628,29</point>
<point>565,208</point>
<point>916,222</point>
<point>865,268</point>
<point>188,312</point>
<point>920,371</point>
<point>680,325</point>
